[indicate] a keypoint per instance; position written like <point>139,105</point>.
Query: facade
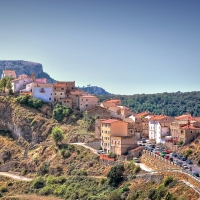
<point>20,83</point>
<point>120,145</point>
<point>159,127</point>
<point>122,136</point>
<point>9,73</point>
<point>43,92</point>
<point>87,102</point>
<point>185,128</point>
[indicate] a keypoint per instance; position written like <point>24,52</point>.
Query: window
<point>62,88</point>
<point>60,93</point>
<point>55,93</point>
<point>60,98</point>
<point>67,101</point>
<point>49,98</point>
<point>42,90</point>
<point>67,95</point>
<point>51,93</point>
<point>86,105</point>
<point>64,101</point>
<point>86,99</point>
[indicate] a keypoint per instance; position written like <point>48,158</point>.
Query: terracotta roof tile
<point>109,121</point>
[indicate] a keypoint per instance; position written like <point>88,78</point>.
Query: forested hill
<point>172,104</point>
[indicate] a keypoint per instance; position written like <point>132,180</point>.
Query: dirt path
<point>87,147</point>
<point>14,176</point>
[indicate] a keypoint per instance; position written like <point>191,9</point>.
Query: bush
<point>59,112</point>
<point>38,183</point>
<point>57,134</point>
<point>151,193</point>
<point>115,175</point>
<point>65,153</point>
<point>47,190</point>
<point>29,101</point>
<point>137,169</point>
<point>3,189</point>
<point>114,195</point>
<point>167,181</point>
<point>187,153</point>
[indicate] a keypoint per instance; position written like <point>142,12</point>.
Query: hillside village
<point>120,138</point>
<point>117,128</point>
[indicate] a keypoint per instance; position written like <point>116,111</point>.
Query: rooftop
<point>109,121</point>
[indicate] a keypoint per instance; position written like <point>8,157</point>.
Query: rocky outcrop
<point>25,67</point>
<point>22,122</point>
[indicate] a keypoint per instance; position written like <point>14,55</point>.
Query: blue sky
<point>124,46</point>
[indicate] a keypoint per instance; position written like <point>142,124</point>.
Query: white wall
<point>44,96</point>
<point>20,84</point>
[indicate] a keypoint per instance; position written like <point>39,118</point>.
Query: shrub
<point>3,189</point>
<point>47,190</point>
<point>112,155</point>
<point>82,173</point>
<point>151,193</point>
<point>137,169</point>
<point>59,112</point>
<point>57,134</point>
<point>187,153</point>
<point>38,183</point>
<point>114,195</point>
<point>167,181</point>
<point>29,101</point>
<point>44,168</point>
<point>115,175</point>
<point>65,153</point>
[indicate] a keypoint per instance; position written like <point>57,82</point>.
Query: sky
<point>124,46</point>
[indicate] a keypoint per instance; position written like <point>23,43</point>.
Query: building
<point>185,128</point>
<point>111,104</point>
<point>43,92</point>
<point>118,132</point>
<point>120,145</point>
<point>159,127</point>
<point>9,73</point>
<point>87,102</point>
<point>20,83</point>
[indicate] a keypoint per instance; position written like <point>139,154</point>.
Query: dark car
<point>183,158</point>
<point>179,156</point>
<point>170,159</point>
<point>166,151</point>
<point>166,156</point>
<point>189,162</point>
<point>180,164</point>
<point>150,149</point>
<point>196,174</point>
<point>174,154</point>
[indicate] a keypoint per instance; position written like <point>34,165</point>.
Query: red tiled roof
<point>189,126</point>
<point>157,117</point>
<point>143,114</point>
<point>109,121</point>
<point>184,117</point>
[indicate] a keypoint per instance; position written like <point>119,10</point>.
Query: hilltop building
<point>9,73</point>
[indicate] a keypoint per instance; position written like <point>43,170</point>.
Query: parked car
<point>162,154</point>
<point>150,149</point>
<point>189,162</point>
<point>144,140</point>
<point>166,156</point>
<point>180,164</point>
<point>176,162</point>
<point>185,166</point>
<point>196,174</point>
<point>183,158</point>
<point>174,154</point>
<point>179,156</point>
<point>100,152</point>
<point>170,159</point>
<point>166,151</point>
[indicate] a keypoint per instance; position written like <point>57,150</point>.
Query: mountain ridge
<point>25,67</point>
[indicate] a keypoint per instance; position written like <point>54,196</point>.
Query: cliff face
<point>32,125</point>
<point>25,67</point>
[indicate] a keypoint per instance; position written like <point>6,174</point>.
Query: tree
<point>115,175</point>
<point>57,134</point>
<point>3,83</point>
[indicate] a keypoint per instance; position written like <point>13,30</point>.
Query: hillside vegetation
<point>172,104</point>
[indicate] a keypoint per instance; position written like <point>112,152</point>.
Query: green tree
<point>57,134</point>
<point>115,175</point>
<point>3,83</point>
<point>59,112</point>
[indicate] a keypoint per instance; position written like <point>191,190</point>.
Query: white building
<point>20,83</point>
<point>156,131</point>
<point>43,92</point>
